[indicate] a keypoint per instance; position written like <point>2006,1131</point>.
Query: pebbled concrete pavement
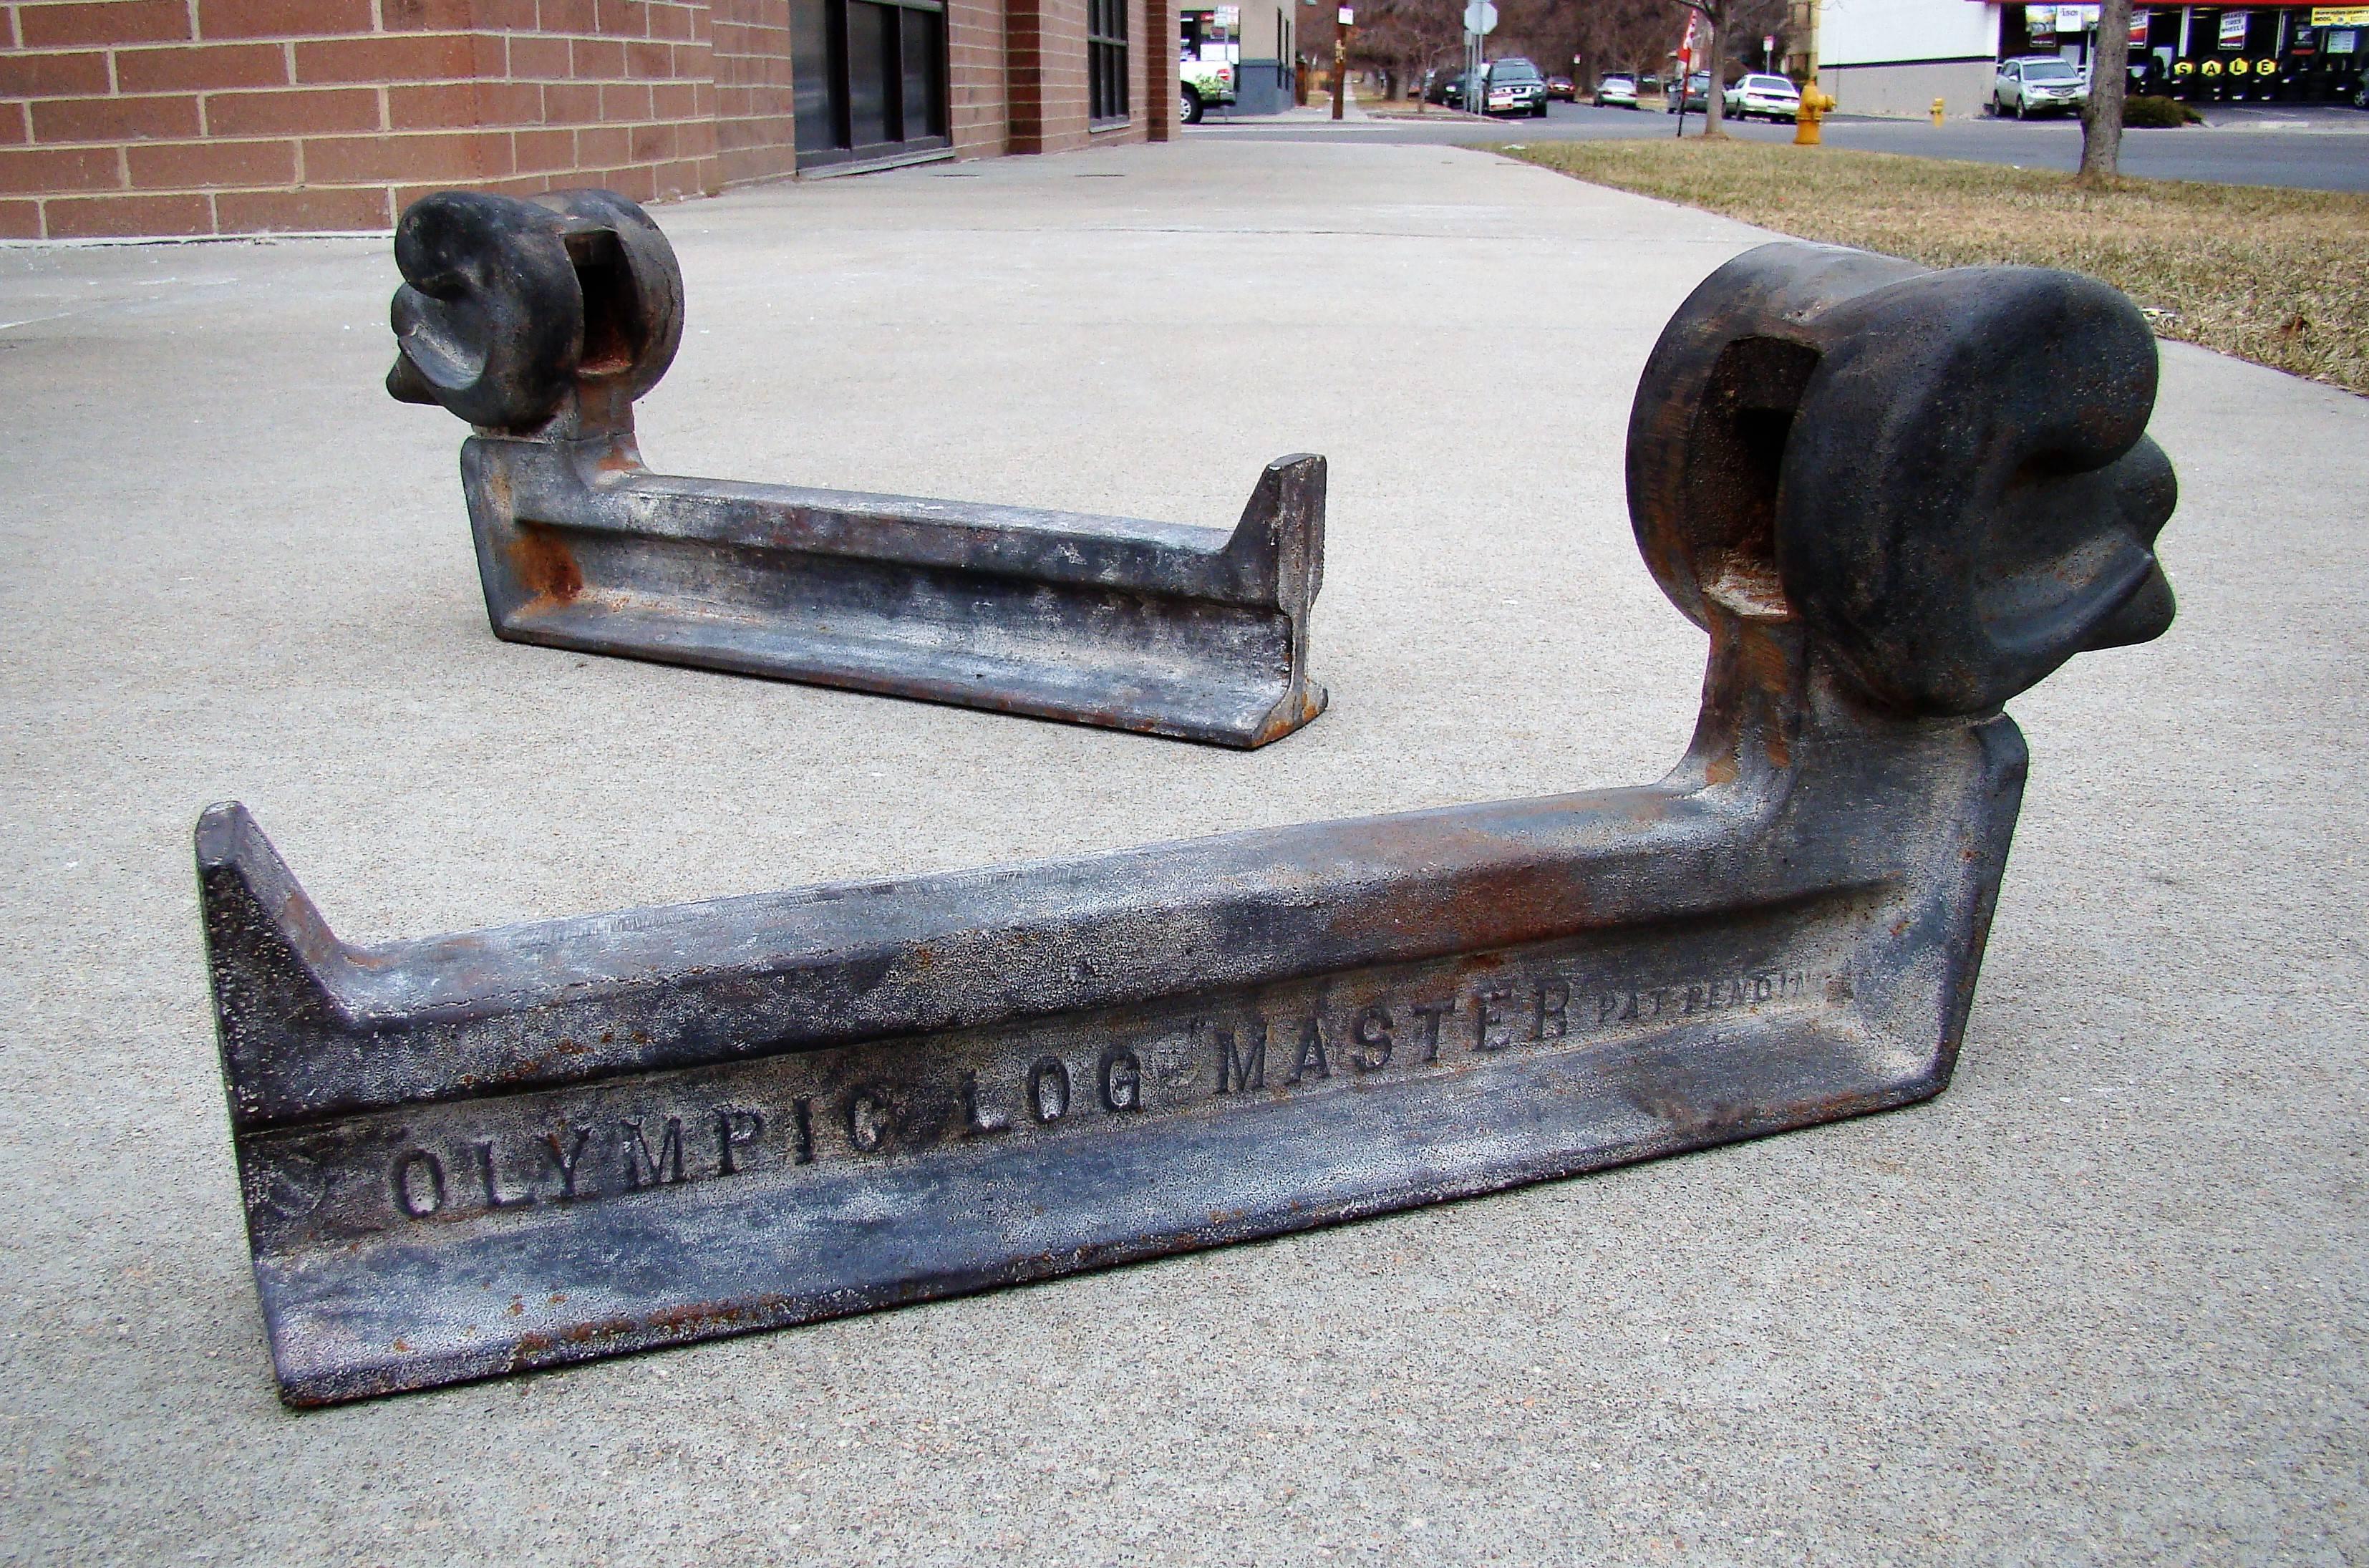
<point>2103,1302</point>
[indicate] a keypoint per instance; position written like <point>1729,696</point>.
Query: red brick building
<point>198,117</point>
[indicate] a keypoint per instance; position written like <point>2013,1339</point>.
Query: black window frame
<point>936,138</point>
<point>1108,61</point>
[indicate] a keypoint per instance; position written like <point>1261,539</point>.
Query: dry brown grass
<point>2274,276</point>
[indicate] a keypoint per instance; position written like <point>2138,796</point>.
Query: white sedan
<point>1768,98</point>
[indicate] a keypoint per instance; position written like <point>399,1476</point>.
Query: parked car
<point>2038,84</point>
<point>1764,97</point>
<point>1445,88</point>
<point>1560,87</point>
<point>1514,87</point>
<point>1698,95</point>
<point>1199,85</point>
<point>1617,92</point>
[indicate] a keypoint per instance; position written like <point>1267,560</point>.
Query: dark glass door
<point>925,76</point>
<point>815,81</point>
<point>870,78</point>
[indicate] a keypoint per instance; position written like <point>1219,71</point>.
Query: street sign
<point>1481,17</point>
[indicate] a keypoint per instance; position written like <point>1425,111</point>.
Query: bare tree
<point>1637,35</point>
<point>2102,117</point>
<point>1596,36</point>
<point>1403,39</point>
<point>1721,20</point>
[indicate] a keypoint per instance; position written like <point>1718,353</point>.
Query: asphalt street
<point>2104,1300</point>
<point>2313,147</point>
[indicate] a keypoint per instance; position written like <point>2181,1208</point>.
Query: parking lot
<point>2309,146</point>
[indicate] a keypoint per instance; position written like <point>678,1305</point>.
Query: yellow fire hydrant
<point>1938,109</point>
<point>1805,120</point>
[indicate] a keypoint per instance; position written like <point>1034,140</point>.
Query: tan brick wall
<point>1044,73</point>
<point>1155,63</point>
<point>754,95</point>
<point>1045,62</point>
<point>614,93</point>
<point>146,117</point>
<point>125,118</point>
<point>977,100</point>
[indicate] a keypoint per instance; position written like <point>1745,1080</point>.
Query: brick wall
<point>1044,64</point>
<point>1154,24</point>
<point>146,117</point>
<point>1044,73</point>
<point>754,97</point>
<point>977,100</point>
<point>122,118</point>
<point>615,93</point>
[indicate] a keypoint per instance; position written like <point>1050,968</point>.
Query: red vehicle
<point>1560,87</point>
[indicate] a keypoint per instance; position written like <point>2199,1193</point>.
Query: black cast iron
<point>1892,498</point>
<point>541,322</point>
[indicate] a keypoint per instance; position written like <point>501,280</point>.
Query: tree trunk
<point>2102,117</point>
<point>1714,87</point>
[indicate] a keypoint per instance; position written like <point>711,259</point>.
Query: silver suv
<point>2038,84</point>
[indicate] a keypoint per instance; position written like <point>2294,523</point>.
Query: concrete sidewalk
<point>2103,1300</point>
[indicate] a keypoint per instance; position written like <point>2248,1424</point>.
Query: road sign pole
<point>1342,20</point>
<point>1479,21</point>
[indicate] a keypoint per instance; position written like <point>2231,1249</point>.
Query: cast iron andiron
<point>1895,498</point>
<point>541,322</point>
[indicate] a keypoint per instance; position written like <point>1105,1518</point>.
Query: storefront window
<point>2257,54</point>
<point>869,79</point>
<point>1106,59</point>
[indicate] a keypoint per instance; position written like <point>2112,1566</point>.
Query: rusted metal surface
<point>1894,499</point>
<point>541,322</point>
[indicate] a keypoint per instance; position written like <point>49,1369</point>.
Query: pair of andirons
<point>1892,498</point>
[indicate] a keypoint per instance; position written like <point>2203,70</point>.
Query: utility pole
<point>1343,20</point>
